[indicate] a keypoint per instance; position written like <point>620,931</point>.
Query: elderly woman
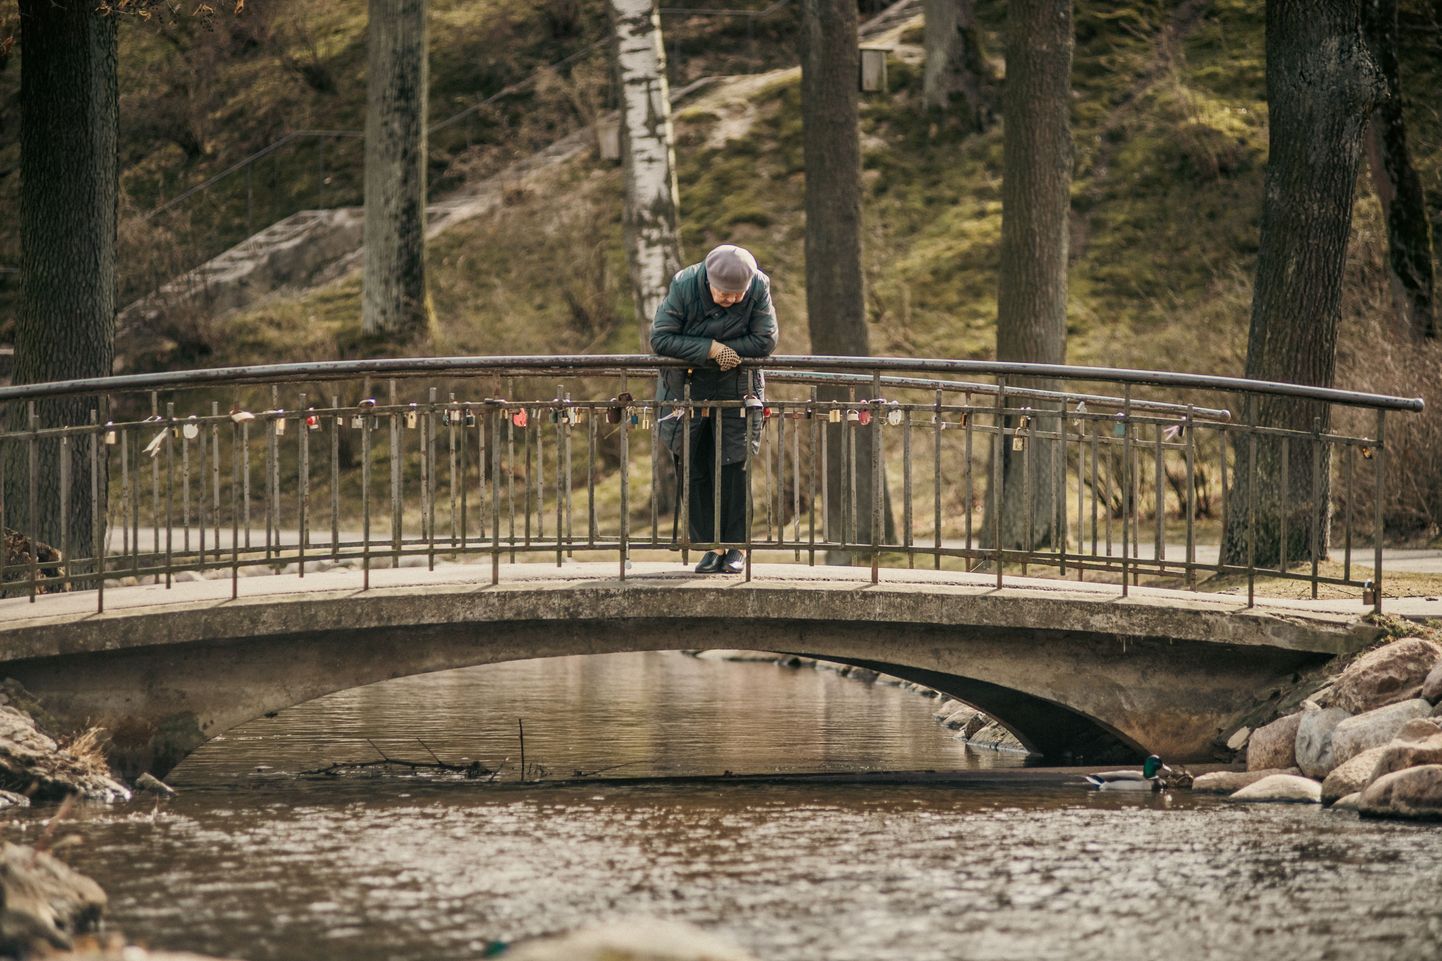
<point>716,313</point>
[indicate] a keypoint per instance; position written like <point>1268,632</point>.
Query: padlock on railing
<point>111,439</point>
<point>312,421</point>
<point>413,417</point>
<point>1369,593</point>
<point>1018,441</point>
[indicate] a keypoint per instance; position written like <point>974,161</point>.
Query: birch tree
<point>648,147</point>
<point>395,302</point>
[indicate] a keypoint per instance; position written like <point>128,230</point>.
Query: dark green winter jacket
<point>686,323</point>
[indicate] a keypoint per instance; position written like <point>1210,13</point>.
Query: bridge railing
<point>1106,474</point>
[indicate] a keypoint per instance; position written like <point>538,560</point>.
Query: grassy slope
<point>1170,127</point>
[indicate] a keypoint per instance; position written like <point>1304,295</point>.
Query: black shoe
<point>710,564</point>
<point>734,562</point>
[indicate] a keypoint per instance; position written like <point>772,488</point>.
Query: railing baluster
<point>998,468</point>
<point>1129,504</point>
<point>1318,510</point>
<point>1191,507</point>
<point>1378,509</point>
<point>906,487</point>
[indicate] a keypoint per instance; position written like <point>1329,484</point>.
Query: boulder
<point>645,939</point>
<point>1350,776</point>
<point>1412,793</point>
<point>1351,802</point>
<point>1285,788</point>
<point>1388,675</point>
<point>1238,740</point>
<point>31,759</point>
<point>1405,752</point>
<point>1275,745</point>
<point>947,708</point>
<point>959,720</point>
<point>1314,740</point>
<point>1374,728</point>
<point>1228,782</point>
<point>1432,685</point>
<point>151,784</point>
<point>46,902</point>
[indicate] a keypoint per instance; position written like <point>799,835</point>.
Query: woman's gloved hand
<point>724,356</point>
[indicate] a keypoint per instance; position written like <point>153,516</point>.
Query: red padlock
<point>864,416</point>
<point>519,418</point>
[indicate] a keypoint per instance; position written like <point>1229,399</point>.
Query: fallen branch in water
<point>472,770</point>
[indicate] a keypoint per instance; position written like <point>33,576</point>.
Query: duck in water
<point>1152,777</point>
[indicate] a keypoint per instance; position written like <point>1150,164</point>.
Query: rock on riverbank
<point>641,939</point>
<point>35,766</point>
<point>1374,732</point>
<point>46,903</point>
<point>974,727</point>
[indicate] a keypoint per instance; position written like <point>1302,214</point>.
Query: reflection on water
<point>635,714</point>
<point>992,867</point>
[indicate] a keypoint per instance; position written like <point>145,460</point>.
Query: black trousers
<point>703,492</point>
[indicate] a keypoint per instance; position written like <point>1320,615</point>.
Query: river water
<point>983,860</point>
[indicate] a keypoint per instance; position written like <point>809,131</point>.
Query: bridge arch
<point>1069,674</point>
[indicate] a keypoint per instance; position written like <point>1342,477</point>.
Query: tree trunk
<point>648,145</point>
<point>1031,295</point>
<point>396,305</point>
<point>1321,87</point>
<point>1409,233</point>
<point>956,78</point>
<point>66,323</point>
<point>835,301</point>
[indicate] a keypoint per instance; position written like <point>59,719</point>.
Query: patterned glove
<point>724,356</point>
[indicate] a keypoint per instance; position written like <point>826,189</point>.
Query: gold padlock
<point>833,416</point>
<point>412,417</point>
<point>280,423</point>
<point>110,437</point>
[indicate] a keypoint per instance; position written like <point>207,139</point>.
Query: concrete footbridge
<point>1069,667</point>
<point>1031,539</point>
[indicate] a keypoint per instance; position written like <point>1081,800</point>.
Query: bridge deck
<point>25,625</point>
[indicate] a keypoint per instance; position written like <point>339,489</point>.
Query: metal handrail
<point>189,474</point>
<point>423,366</point>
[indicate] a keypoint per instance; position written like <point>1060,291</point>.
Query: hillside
<point>1170,126</point>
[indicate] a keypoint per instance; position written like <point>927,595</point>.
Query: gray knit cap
<point>730,269</point>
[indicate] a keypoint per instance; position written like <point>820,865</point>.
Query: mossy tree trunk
<point>1409,233</point>
<point>835,296</point>
<point>396,306</point>
<point>68,189</point>
<point>648,146</point>
<point>1032,290</point>
<point>956,79</point>
<point>1322,85</point>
